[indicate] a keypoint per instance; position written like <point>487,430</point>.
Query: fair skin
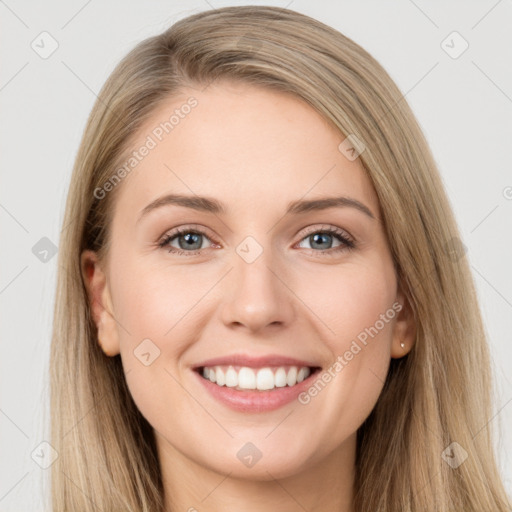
<point>255,151</point>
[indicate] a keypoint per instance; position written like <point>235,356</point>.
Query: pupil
<point>191,238</point>
<point>317,236</point>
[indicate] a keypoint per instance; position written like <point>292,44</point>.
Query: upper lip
<point>255,361</point>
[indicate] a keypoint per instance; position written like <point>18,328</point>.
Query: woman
<point>207,353</point>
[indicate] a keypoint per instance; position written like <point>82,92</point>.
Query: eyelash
<point>347,243</point>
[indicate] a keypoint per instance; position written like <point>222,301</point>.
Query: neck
<point>326,486</point>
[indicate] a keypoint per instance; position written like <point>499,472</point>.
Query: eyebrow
<point>211,205</point>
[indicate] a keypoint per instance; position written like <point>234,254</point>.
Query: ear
<point>405,327</point>
<point>100,300</point>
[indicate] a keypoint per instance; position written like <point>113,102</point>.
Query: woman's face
<point>256,283</point>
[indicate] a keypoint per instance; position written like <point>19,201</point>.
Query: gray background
<point>463,104</point>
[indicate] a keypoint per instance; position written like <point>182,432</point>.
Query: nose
<point>257,295</point>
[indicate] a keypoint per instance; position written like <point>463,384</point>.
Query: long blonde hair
<point>440,393</point>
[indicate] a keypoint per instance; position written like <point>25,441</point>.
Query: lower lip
<point>256,401</point>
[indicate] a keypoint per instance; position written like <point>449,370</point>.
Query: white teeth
<point>231,378</point>
<point>246,378</point>
<point>262,379</point>
<point>265,379</point>
<point>291,377</point>
<point>280,378</point>
<point>219,377</point>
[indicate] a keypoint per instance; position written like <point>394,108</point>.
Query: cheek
<point>155,302</point>
<point>158,314</point>
<point>350,299</point>
<point>356,304</point>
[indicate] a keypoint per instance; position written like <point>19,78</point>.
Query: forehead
<point>245,145</point>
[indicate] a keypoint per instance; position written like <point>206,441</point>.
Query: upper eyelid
<point>325,227</point>
<point>178,230</point>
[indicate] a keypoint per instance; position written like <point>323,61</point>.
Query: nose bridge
<point>253,264</point>
<point>257,296</point>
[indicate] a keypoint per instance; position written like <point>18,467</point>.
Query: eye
<point>190,241</point>
<point>322,239</point>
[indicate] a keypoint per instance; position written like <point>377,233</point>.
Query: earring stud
<point>402,345</point>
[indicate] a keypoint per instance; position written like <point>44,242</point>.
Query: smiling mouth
<point>244,378</point>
